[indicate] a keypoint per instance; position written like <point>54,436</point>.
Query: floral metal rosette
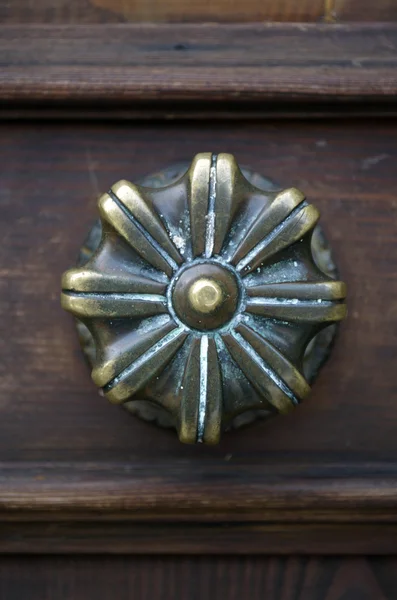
<point>202,298</point>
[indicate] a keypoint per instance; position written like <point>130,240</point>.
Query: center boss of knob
<point>205,296</point>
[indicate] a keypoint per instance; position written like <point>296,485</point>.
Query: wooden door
<point>95,503</point>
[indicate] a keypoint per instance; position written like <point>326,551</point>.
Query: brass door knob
<point>203,297</point>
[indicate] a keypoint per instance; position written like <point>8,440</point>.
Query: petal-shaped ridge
<point>271,216</point>
<point>296,310</point>
<point>269,385</point>
<point>292,229</point>
<point>146,366</point>
<point>85,279</point>
<point>133,198</point>
<point>283,368</point>
<point>229,179</point>
<point>118,215</point>
<point>302,290</point>
<point>108,305</point>
<point>116,355</point>
<point>201,394</point>
<point>198,200</point>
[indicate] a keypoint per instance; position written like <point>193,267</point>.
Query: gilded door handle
<point>203,296</point>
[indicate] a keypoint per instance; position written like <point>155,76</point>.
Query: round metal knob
<point>203,297</point>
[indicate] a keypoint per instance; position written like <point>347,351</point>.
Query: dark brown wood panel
<point>51,175</point>
<point>69,456</point>
<point>168,70</point>
<point>212,577</point>
<point>220,11</point>
<point>59,12</point>
<point>110,11</point>
<point>363,10</point>
<point>124,536</point>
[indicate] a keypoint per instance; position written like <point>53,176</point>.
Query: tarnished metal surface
<point>205,297</point>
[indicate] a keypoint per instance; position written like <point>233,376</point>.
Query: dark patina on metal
<point>205,297</point>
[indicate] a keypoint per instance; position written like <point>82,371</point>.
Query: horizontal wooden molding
<point>161,490</point>
<point>164,508</point>
<point>131,70</point>
<point>131,537</point>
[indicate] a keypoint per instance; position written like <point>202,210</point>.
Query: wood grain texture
<point>128,537</point>
<point>220,11</point>
<point>106,11</point>
<point>152,578</point>
<point>177,69</point>
<point>362,10</point>
<point>70,457</point>
<point>51,175</point>
<point>288,492</point>
<point>111,11</point>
